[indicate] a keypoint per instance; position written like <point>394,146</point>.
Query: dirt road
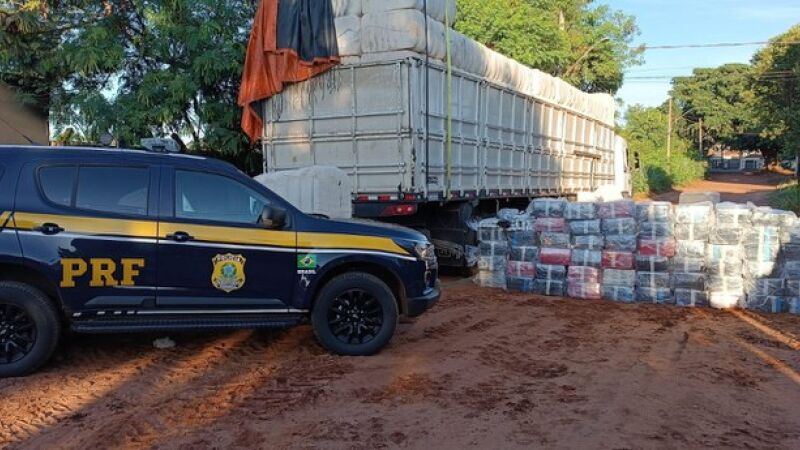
<point>484,369</point>
<point>734,187</point>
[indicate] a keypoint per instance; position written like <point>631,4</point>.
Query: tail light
<point>399,210</point>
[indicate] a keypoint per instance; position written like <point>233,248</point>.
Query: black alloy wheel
<point>355,317</point>
<point>17,333</point>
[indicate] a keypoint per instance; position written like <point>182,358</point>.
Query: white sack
<point>313,190</point>
<point>401,30</point>
<point>346,7</point>
<point>436,8</point>
<point>348,35</point>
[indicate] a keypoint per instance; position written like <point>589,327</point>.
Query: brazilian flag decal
<point>307,262</point>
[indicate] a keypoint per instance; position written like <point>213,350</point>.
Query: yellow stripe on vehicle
<point>231,235</point>
<point>4,217</point>
<point>348,241</point>
<point>89,225</point>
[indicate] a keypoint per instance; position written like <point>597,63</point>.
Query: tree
<point>587,46</point>
<point>135,68</point>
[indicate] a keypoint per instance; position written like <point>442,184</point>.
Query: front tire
<point>29,329</point>
<point>355,314</point>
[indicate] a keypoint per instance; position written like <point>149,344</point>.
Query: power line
<point>714,45</point>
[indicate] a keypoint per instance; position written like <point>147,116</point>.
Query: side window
<point>58,183</point>
<point>119,190</point>
<point>205,196</point>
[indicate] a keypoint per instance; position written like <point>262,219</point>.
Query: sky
<point>676,22</point>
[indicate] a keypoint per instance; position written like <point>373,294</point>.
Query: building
<point>735,161</point>
<point>20,124</point>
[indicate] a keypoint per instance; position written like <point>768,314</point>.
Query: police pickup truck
<point>108,241</point>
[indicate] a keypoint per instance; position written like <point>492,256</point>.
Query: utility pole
<point>669,136</point>
<point>700,138</point>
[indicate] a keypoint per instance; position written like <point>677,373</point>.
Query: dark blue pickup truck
<point>108,241</point>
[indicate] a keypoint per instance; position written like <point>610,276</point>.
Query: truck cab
<point>107,240</point>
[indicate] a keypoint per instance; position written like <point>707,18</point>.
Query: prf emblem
<point>228,274</point>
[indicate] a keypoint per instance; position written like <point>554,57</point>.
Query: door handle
<point>180,236</point>
<point>49,229</point>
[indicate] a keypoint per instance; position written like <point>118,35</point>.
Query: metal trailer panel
<point>372,120</point>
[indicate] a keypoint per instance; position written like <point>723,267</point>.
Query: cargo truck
<point>432,147</point>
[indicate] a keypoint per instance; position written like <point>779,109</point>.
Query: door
<point>214,253</point>
<point>92,228</point>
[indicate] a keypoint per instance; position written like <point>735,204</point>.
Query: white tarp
<point>437,9</point>
<point>346,7</point>
<point>313,190</point>
<point>348,35</point>
<point>399,30</point>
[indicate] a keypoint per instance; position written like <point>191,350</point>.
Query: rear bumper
<point>417,305</point>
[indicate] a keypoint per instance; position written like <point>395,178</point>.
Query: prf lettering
<point>102,271</point>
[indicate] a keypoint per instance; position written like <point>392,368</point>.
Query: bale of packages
<point>591,258</point>
<point>580,211</point>
<point>585,227</point>
<point>554,240</point>
<point>584,274</point>
<point>659,212</point>
<point>691,297</point>
<point>588,242</point>
<point>586,291</point>
<point>548,207</point>
<point>616,209</point>
<point>617,260</point>
<point>658,296</point>
<point>621,243</point>
<point>555,256</point>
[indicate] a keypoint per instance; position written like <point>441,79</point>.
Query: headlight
<point>426,252</point>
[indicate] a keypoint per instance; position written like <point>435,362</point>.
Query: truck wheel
<point>29,329</point>
<point>355,314</point>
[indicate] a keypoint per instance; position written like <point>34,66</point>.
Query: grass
<point>786,197</point>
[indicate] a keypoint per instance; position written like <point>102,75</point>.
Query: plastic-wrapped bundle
<point>621,243</point>
<point>551,272</point>
<point>491,279</point>
<point>554,240</point>
<point>718,283</point>
<point>492,263</point>
<point>646,263</point>
<point>519,284</point>
<point>616,277</point>
<point>794,305</point>
<point>792,288</point>
<point>774,217</point>
<point>557,256</point>
<point>554,288</point>
<point>493,248</point>
<point>759,269</point>
<point>522,222</point>
<point>731,253</point>
<point>547,207</point>
<point>658,247</point>
<point>767,303</point>
<point>725,268</point>
<point>790,252</point>
<point>520,237</point>
<point>580,211</point>
<point>654,211</point>
<point>791,270</point>
<point>511,215</point>
<point>658,296</point>
<point>588,242</point>
<point>489,230</point>
<point>525,253</point>
<point>688,297</point>
<point>622,294</point>
<point>726,236</point>
<point>702,212</point>
<point>766,287</point>
<point>692,231</point>
<point>790,235</point>
<point>761,243</point>
<point>725,300</point>
<point>550,224</point>
<point>683,264</point>
<point>583,274</point>
<point>591,258</point>
<point>586,291</point>
<point>691,249</point>
<point>617,260</point>
<point>584,227</point>
<point>521,269</point>
<point>655,230</point>
<point>619,226</point>
<point>652,280</point>
<point>613,210</point>
<point>733,215</point>
<point>690,281</point>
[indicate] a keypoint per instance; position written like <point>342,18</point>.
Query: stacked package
<point>725,255</point>
<point>619,229</point>
<point>656,248</point>
<point>583,279</point>
<point>555,252</point>
<point>692,226</point>
<point>493,252</point>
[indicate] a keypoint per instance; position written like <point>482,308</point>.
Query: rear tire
<point>355,314</point>
<point>29,329</point>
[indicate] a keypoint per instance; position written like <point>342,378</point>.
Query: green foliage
<point>135,68</point>
<point>646,131</point>
<point>589,46</point>
<point>787,197</point>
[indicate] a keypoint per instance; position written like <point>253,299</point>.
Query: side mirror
<point>272,217</point>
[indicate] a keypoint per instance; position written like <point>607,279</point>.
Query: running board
<point>148,324</point>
